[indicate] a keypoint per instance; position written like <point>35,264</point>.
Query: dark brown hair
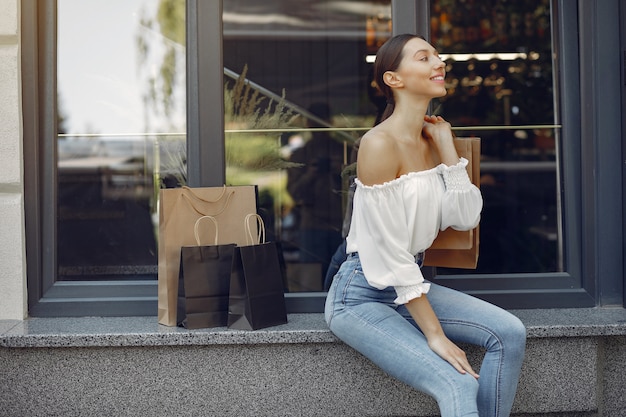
<point>388,58</point>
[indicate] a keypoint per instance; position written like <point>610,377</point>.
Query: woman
<point>410,184</point>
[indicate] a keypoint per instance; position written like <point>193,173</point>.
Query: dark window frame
<point>622,30</point>
<point>591,195</point>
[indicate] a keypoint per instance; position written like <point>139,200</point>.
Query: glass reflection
<point>121,94</point>
<point>121,101</point>
<point>499,72</point>
<point>500,87</point>
<point>313,56</point>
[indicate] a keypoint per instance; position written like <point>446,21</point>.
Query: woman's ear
<point>391,79</point>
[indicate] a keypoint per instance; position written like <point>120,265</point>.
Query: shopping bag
<point>204,282</point>
<point>455,248</point>
<point>179,208</point>
<point>257,298</point>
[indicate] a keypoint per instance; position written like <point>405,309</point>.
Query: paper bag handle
<point>260,238</point>
<point>188,188</point>
<point>229,196</point>
<point>195,229</point>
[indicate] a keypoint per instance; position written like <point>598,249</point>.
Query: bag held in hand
<point>257,298</point>
<point>179,209</point>
<point>455,248</point>
<point>204,282</point>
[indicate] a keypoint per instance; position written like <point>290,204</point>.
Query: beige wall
<point>13,303</point>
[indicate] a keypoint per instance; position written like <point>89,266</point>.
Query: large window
<point>121,121</point>
<point>112,131</point>
<point>318,58</point>
<point>128,108</point>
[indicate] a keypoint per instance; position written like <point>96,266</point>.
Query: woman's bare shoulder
<point>378,141</point>
<point>377,160</point>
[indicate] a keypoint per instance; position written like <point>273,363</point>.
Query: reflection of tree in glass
<point>244,107</point>
<point>242,103</point>
<point>169,22</point>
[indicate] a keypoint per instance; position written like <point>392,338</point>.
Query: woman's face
<point>421,70</point>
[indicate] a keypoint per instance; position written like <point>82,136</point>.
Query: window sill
<point>302,328</point>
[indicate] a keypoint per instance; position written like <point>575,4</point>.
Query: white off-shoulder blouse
<point>393,222</point>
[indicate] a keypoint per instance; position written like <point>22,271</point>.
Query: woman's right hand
<point>423,314</point>
<point>450,352</point>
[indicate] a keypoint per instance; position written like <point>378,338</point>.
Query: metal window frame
<point>593,197</point>
<point>602,208</point>
<point>622,31</point>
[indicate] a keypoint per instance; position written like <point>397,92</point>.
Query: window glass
<point>291,127</point>
<point>121,125</point>
<point>500,80</point>
<point>307,64</point>
<point>318,55</point>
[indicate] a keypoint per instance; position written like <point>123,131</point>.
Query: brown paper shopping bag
<point>179,208</point>
<point>455,248</point>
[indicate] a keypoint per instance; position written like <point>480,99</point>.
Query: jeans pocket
<point>329,305</point>
<point>337,293</point>
<point>331,301</point>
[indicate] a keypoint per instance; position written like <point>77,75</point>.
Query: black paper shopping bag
<point>204,282</point>
<point>257,298</point>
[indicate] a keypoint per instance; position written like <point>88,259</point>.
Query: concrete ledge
<point>301,328</point>
<point>133,366</point>
<point>145,331</point>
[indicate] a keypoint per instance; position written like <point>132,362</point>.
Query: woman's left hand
<point>437,130</point>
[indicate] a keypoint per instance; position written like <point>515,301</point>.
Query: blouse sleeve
<point>462,202</point>
<point>383,247</point>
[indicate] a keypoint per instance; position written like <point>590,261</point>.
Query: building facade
<point>12,189</point>
<point>77,200</point>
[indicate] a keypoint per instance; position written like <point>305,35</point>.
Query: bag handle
<point>188,188</point>
<point>260,238</point>
<point>195,228</point>
<point>190,201</point>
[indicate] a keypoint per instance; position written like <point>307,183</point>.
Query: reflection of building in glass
<point>315,186</point>
<point>499,73</point>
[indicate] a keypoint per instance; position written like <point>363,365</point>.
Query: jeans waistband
<point>419,258</point>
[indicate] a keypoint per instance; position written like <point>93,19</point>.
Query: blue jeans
<point>367,319</point>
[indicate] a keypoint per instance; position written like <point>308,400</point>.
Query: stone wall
<point>135,367</point>
<point>12,245</point>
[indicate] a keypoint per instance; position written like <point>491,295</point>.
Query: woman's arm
<point>423,314</point>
